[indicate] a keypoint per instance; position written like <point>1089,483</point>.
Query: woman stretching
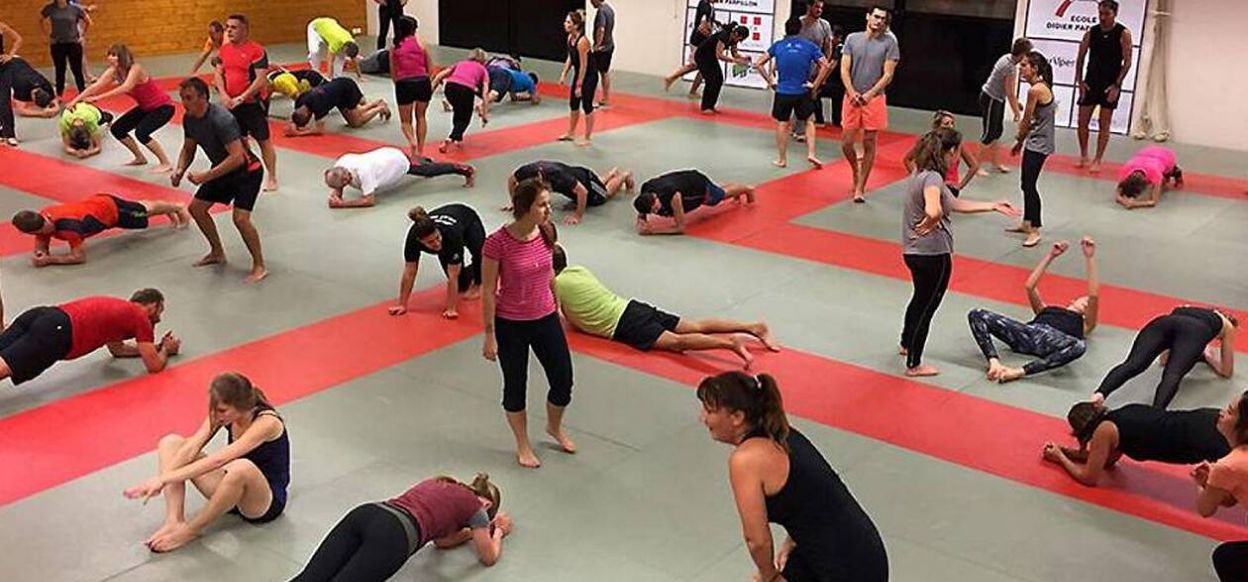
<point>584,77</point>
<point>448,231</point>
<point>703,26</point>
<point>1182,339</point>
<point>953,179</point>
<point>1035,139</point>
<point>1055,335</point>
<point>927,239</point>
<point>410,65</point>
<point>1139,431</point>
<point>464,81</point>
<point>1149,169</point>
<point>248,477</point>
<point>521,314</point>
<point>1225,484</point>
<point>153,109</point>
<point>710,53</point>
<point>778,476</point>
<point>375,539</point>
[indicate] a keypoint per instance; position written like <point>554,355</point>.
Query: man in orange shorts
<point>77,221</point>
<point>867,65</point>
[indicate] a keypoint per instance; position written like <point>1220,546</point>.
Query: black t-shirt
<point>561,177</point>
<point>26,79</point>
<point>453,221</point>
<point>342,93</point>
<point>706,50</point>
<point>691,184</point>
<point>213,132</point>
<point>704,12</point>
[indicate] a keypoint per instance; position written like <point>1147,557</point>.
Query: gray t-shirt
<point>64,22</point>
<point>215,130</point>
<point>867,57</point>
<point>995,86</point>
<point>605,19</point>
<point>940,240</point>
<point>818,32</point>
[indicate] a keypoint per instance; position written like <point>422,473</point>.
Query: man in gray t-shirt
<point>604,45</point>
<point>867,64</point>
<point>819,31</point>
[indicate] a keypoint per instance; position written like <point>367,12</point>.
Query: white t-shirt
<point>375,170</point>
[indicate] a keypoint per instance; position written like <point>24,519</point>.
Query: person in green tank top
<point>327,39</point>
<point>594,309</point>
<point>80,129</point>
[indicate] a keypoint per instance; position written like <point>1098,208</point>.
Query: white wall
<point>425,11</point>
<point>1207,84</point>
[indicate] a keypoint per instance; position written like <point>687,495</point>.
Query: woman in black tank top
<point>778,476</point>
<point>584,77</point>
<point>10,40</point>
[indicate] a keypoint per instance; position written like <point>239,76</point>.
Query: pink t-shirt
<point>410,60</point>
<point>469,74</point>
<point>1153,161</point>
<point>525,272</point>
<point>1230,474</point>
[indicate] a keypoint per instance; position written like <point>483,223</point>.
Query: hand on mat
<point>490,349</point>
<point>1052,452</point>
<point>147,490</point>
<point>1004,207</point>
<point>398,309</point>
<point>503,522</point>
<point>1089,246</point>
<point>171,343</point>
<point>571,220</point>
<point>1200,473</point>
<point>1059,247</point>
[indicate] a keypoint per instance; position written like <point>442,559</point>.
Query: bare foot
<point>780,163</point>
<point>210,259</point>
<point>1032,240</point>
<point>1003,169</point>
<point>1082,163</point>
<point>982,172</point>
<point>693,95</point>
<point>161,169</point>
<point>443,147</point>
<point>667,84</point>
<point>816,162</point>
<point>181,218</point>
<point>1009,375</point>
<point>270,184</point>
<point>528,459</point>
<point>173,539</point>
<point>256,275</point>
<point>472,293</point>
<point>1016,229</point>
<point>709,112</point>
<point>137,162</point>
<point>919,371</point>
<point>859,197</point>
<point>561,437</point>
<point>1095,168</point>
<point>738,347</point>
<point>164,530</point>
<point>764,335</point>
<point>584,143</point>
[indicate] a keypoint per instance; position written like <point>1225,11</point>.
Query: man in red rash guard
<point>42,336</point>
<point>77,221</point>
<point>242,81</point>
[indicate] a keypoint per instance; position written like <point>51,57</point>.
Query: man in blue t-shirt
<point>794,57</point>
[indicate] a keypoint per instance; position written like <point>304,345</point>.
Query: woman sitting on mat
<point>248,477</point>
<point>1149,169</point>
<point>1225,484</point>
<point>375,539</point>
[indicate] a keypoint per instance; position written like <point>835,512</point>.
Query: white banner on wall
<point>1056,27</point>
<point>756,15</point>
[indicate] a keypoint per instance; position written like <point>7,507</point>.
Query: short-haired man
<point>242,81</point>
<point>342,93</point>
<point>604,46</point>
<point>867,66</point>
<point>1106,48</point>
<point>795,98</point>
<point>77,221</point>
<point>999,90</point>
<point>383,169</point>
<point>327,39</point>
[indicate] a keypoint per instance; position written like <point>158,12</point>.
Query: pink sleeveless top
<point>149,96</point>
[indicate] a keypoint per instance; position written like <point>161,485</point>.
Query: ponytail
<point>422,225</point>
<point>1041,64</point>
<point>482,487</point>
<point>758,397</point>
<point>930,151</point>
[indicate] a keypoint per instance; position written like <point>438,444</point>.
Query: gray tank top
<point>1041,137</point>
<point>995,86</point>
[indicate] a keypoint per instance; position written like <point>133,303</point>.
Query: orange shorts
<point>870,117</point>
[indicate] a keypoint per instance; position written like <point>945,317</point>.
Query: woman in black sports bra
<point>778,476</point>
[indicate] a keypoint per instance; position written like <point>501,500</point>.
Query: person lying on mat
<point>77,221</point>
<point>675,194</point>
<point>1148,170</point>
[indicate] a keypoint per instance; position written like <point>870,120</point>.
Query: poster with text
<point>758,16</point>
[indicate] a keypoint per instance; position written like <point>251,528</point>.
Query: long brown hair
<point>578,20</point>
<point>125,60</point>
<point>235,390</point>
<point>930,152</point>
<point>481,486</point>
<point>527,193</point>
<point>756,396</point>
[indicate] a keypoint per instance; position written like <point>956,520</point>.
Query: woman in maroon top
<point>374,540</point>
<point>154,107</point>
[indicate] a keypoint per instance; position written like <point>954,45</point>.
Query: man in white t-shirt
<point>381,169</point>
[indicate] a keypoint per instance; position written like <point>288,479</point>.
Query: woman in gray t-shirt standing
<point>60,20</point>
<point>927,238</point>
<point>1035,138</point>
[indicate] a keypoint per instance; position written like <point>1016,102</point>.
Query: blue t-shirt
<point>794,58</point>
<point>521,82</point>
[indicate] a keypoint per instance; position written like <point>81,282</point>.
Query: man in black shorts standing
<point>242,82</point>
<point>604,46</point>
<point>342,93</point>
<point>1107,48</point>
<point>234,178</point>
<point>583,185</point>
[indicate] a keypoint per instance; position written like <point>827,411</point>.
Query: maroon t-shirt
<point>97,321</point>
<point>442,508</point>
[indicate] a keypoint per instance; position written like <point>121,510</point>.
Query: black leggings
<point>462,99</point>
<point>368,545</point>
<point>68,53</point>
<point>930,274</point>
<point>7,128</point>
<point>1230,561</point>
<point>590,86</point>
<point>549,344</point>
<point>1033,162</point>
<point>1185,337</point>
<point>385,16</point>
<point>142,123</point>
<point>427,168</point>
<point>474,241</point>
<point>713,81</point>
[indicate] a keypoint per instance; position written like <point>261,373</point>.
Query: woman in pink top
<point>953,179</point>
<point>1149,169</point>
<point>409,67</point>
<point>1225,484</point>
<point>519,263</point>
<point>153,110</point>
<point>464,81</point>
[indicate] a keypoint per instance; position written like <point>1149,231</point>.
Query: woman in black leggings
<point>375,539</point>
<point>1186,333</point>
<point>927,238</point>
<point>60,20</point>
<point>153,107</point>
<point>584,77</point>
<point>1225,484</point>
<point>710,53</point>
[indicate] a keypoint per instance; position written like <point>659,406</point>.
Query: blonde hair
<point>479,55</point>
<point>481,487</point>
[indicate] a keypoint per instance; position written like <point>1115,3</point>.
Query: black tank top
<point>1061,319</point>
<point>575,54</point>
<point>272,457</point>
<point>1105,53</point>
<point>1183,437</point>
<point>834,536</point>
<point>1208,317</point>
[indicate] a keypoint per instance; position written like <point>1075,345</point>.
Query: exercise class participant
<point>10,41</point>
<point>153,107</point>
<point>1106,48</point>
<point>953,177</point>
<point>1140,432</point>
<point>604,46</point>
<point>778,476</point>
<point>833,88</point>
<point>1225,484</point>
<point>388,12</point>
<point>1055,334</point>
<point>927,239</point>
<point>41,336</point>
<point>794,57</point>
<point>1149,169</point>
<point>328,40</point>
<point>234,177</point>
<point>867,66</point>
<point>343,93</point>
<point>677,193</point>
<point>1186,336</point>
<point>507,79</point>
<point>212,44</point>
<point>62,20</point>
<point>410,67</point>
<point>713,50</point>
<point>247,478</point>
<point>77,221</point>
<point>80,129</point>
<point>590,307</point>
<point>521,315</point>
<point>1000,90</point>
<point>242,82</point>
<point>818,31</point>
<point>464,81</point>
<point>583,185</point>
<point>292,84</point>
<point>449,232</point>
<point>1036,139</point>
<point>382,169</point>
<point>704,26</point>
<point>581,63</point>
<point>31,92</point>
<point>373,541</point>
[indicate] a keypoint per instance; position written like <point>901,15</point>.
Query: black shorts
<point>240,187</point>
<point>500,83</point>
<point>603,60</point>
<point>593,184</point>
<point>992,116</point>
<point>276,507</point>
<point>351,99</point>
<point>408,91</point>
<point>130,215</point>
<point>38,338</point>
<point>253,120</point>
<point>642,324</point>
<point>1098,95</point>
<point>785,106</point>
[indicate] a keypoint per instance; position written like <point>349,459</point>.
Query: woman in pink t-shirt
<point>465,80</point>
<point>1225,484</point>
<point>410,65</point>
<point>1149,169</point>
<point>522,314</point>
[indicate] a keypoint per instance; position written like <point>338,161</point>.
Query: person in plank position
<point>382,169</point>
<point>583,185</point>
<point>78,221</point>
<point>675,194</point>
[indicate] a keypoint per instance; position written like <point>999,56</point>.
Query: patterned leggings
<point>1053,347</point>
